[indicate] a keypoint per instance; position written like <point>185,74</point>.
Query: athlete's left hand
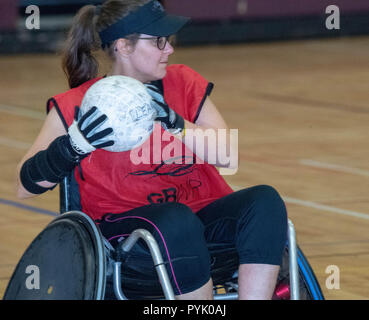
<point>170,120</point>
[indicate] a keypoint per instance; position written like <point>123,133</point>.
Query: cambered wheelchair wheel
<point>309,285</point>
<point>70,262</point>
<point>226,286</point>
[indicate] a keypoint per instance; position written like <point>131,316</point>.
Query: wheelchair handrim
<point>309,277</point>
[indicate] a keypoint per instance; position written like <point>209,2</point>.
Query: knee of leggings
<point>269,212</point>
<point>263,229</point>
<point>268,199</point>
<point>180,217</point>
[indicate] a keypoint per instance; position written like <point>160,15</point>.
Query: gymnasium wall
<point>213,21</point>
<point>222,21</point>
<point>205,10</point>
<point>8,15</point>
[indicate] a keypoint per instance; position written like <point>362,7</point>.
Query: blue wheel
<point>309,285</point>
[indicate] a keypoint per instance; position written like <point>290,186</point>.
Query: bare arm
<point>55,153</point>
<point>51,129</point>
<point>213,148</point>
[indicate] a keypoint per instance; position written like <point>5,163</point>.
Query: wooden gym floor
<point>302,111</point>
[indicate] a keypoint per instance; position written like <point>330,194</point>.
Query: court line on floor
<point>318,206</point>
<point>323,207</point>
<point>304,203</point>
<point>27,207</point>
<point>334,167</point>
<point>23,112</point>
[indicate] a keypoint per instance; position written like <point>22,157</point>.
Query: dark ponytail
<point>78,63</point>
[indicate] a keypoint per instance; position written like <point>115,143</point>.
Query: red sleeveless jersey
<point>113,183</point>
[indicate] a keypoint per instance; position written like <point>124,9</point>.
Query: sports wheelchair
<point>76,262</point>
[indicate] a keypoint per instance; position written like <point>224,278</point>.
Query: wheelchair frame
<point>162,272</point>
<point>66,205</point>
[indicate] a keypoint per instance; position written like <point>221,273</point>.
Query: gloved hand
<point>66,151</point>
<point>170,120</point>
<point>84,134</point>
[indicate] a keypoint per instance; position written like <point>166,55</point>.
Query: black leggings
<point>252,220</point>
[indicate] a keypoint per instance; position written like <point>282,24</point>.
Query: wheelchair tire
<point>68,256</point>
<point>309,285</point>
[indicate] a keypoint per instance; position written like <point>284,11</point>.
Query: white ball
<point>126,103</point>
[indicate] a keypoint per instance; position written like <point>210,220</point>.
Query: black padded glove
<point>65,152</point>
<point>170,120</point>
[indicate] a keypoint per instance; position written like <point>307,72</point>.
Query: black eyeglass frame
<point>167,39</point>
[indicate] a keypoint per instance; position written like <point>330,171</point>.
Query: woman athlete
<point>186,206</point>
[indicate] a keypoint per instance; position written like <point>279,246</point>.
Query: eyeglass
<point>161,42</point>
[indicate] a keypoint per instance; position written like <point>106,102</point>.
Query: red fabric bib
<point>114,184</point>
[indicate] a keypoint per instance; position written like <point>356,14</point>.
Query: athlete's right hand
<point>84,134</point>
<point>66,151</point>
